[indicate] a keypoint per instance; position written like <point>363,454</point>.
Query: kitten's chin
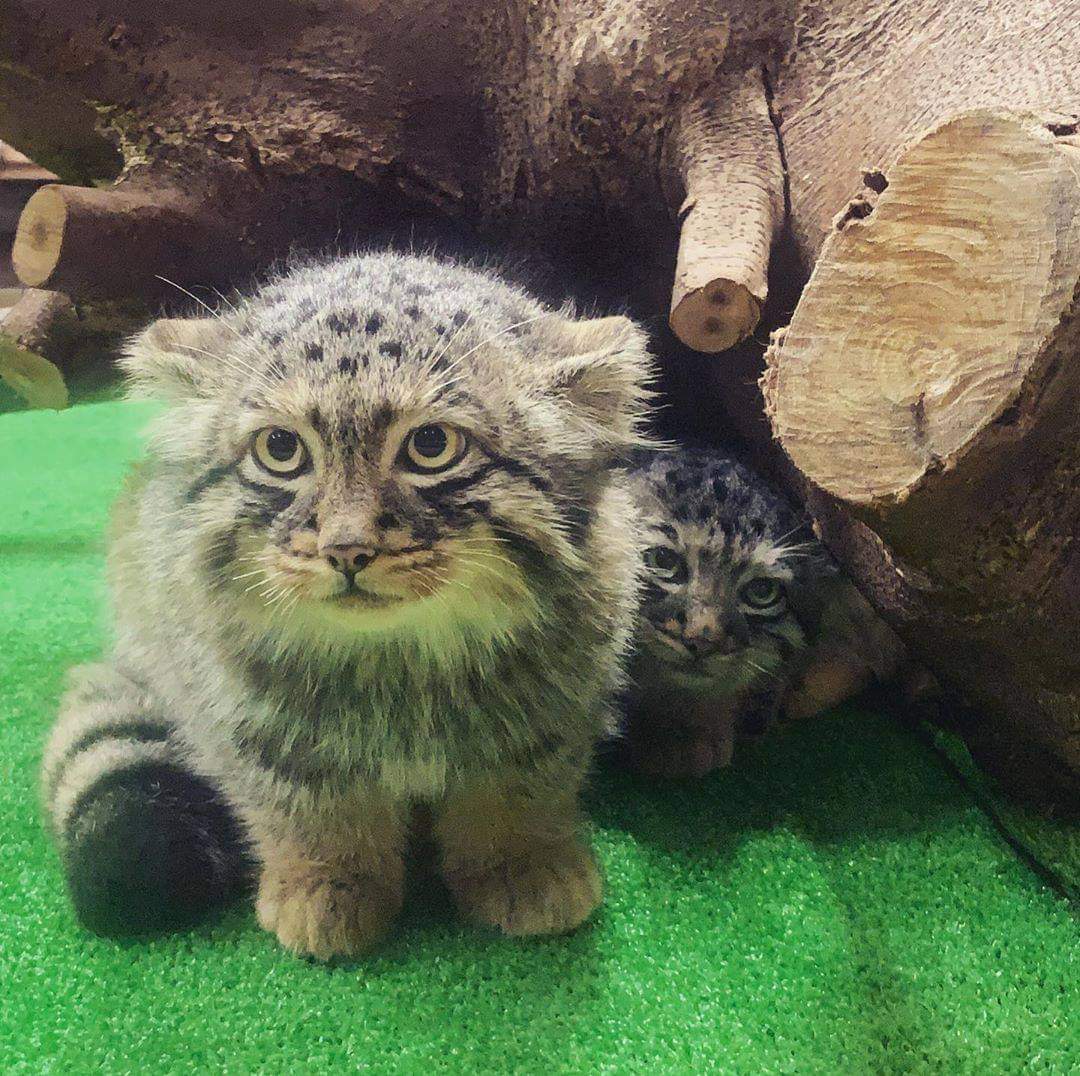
<point>722,671</point>
<point>365,601</point>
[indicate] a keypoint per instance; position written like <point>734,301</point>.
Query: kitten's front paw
<point>549,892</point>
<point>315,912</point>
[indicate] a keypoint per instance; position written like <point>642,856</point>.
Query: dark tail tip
<point>152,849</point>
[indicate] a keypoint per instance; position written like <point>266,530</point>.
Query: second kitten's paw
<point>693,753</point>
<point>317,913</point>
<point>551,892</point>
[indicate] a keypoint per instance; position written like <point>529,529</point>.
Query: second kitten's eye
<point>665,563</point>
<point>279,451</point>
<point>434,448</point>
<point>762,593</point>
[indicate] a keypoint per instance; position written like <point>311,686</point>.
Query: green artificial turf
<point>836,903</point>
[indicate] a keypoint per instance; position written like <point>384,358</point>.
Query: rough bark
<point>926,389</point>
<point>41,321</point>
<point>576,127</point>
<point>105,243</point>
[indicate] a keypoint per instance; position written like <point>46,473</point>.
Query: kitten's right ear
<point>177,359</point>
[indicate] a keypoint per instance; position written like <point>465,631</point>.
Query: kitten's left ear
<point>177,358</point>
<point>603,370</point>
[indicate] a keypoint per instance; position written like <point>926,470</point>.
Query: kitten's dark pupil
<point>281,444</point>
<point>664,560</point>
<point>762,590</point>
<point>430,441</point>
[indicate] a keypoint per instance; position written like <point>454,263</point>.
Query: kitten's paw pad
<point>325,916</point>
<point>551,892</point>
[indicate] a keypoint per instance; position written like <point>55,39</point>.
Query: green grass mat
<point>837,903</point>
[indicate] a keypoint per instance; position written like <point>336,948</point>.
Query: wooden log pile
<point>915,165</point>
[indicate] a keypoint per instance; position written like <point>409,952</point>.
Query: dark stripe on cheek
<point>221,556</point>
<point>208,479</point>
<point>518,470</point>
<point>430,494</point>
<point>273,500</point>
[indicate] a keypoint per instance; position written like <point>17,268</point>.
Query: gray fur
<point>728,528</point>
<point>498,655</point>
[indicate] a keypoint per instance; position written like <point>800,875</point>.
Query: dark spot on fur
<point>440,330</point>
<point>313,352</point>
<point>275,338</point>
<point>341,324</point>
<point>277,370</point>
<point>386,520</point>
<point>347,365</point>
<point>373,324</point>
<point>460,318</point>
<point>412,312</point>
<point>391,347</point>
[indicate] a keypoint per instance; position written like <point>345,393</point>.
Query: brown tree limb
<point>41,321</point>
<point>727,154</point>
<point>116,243</point>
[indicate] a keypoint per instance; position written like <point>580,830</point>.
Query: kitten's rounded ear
<point>603,369</point>
<point>177,358</point>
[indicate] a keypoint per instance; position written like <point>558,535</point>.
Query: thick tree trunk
<point>927,387</point>
<point>582,127</point>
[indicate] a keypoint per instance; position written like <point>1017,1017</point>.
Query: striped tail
<point>147,844</point>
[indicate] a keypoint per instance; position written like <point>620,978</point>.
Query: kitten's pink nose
<point>348,559</point>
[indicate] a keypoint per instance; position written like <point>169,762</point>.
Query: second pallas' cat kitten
<point>381,555</point>
<point>744,614</point>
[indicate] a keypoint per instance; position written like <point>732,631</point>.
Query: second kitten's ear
<point>603,369</point>
<point>177,358</point>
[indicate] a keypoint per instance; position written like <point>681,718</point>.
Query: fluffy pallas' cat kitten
<point>744,612</point>
<point>381,557</point>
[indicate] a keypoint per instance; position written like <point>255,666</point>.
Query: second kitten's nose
<point>348,559</point>
<point>703,645</point>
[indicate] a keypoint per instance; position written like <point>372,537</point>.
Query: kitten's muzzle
<point>703,646</point>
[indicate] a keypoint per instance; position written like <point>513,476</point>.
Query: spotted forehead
<point>713,504</point>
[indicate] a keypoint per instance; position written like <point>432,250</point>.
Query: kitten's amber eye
<point>279,451</point>
<point>434,448</point>
<point>762,593</point>
<point>665,563</point>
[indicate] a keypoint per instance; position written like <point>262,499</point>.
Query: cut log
<point>42,321</point>
<point>107,243</point>
<point>729,160</point>
<point>927,388</point>
<point>576,130</point>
